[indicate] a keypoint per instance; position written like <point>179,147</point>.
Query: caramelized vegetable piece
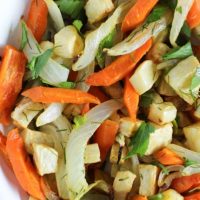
<point>131,99</point>
<point>51,95</point>
<point>167,157</point>
<point>37,18</point>
<point>193,18</point>
<point>11,75</point>
<point>24,171</point>
<point>105,137</point>
<point>120,68</point>
<point>185,183</point>
<point>195,196</point>
<point>137,14</point>
<point>98,93</point>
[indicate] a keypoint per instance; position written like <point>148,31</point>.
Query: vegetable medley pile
<point>104,99</point>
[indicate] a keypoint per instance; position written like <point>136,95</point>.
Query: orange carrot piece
<point>131,99</point>
<point>194,196</point>
<point>186,183</point>
<point>193,18</point>
<point>37,18</point>
<point>137,14</point>
<point>98,93</point>
<point>139,197</point>
<point>105,137</point>
<point>167,157</point>
<point>118,69</point>
<point>85,109</point>
<point>11,76</point>
<point>24,171</point>
<point>50,95</point>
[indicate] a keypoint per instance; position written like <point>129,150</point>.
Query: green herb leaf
<point>147,99</point>
<point>140,140</point>
<point>189,162</point>
<point>78,24</point>
<point>158,196</point>
<point>24,39</point>
<point>179,9</point>
<point>79,120</point>
<point>107,42</point>
<point>156,14</point>
<point>179,52</point>
<point>67,84</point>
<point>195,83</point>
<point>186,30</point>
<point>73,8</point>
<point>37,63</point>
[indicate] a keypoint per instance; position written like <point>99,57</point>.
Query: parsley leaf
<point>195,83</point>
<point>140,140</point>
<point>158,196</point>
<point>67,84</point>
<point>37,63</point>
<point>73,8</point>
<point>78,24</point>
<point>79,120</point>
<point>189,162</point>
<point>24,40</point>
<point>179,9</point>
<point>107,42</point>
<point>179,52</point>
<point>147,99</point>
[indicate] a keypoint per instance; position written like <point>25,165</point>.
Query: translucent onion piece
<point>193,169</point>
<point>77,142</point>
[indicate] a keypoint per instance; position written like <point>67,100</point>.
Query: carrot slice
<point>11,76</point>
<point>24,171</point>
<point>131,99</point>
<point>167,157</point>
<point>137,14</point>
<point>50,95</point>
<point>37,18</point>
<point>139,197</point>
<point>195,196</point>
<point>98,93</point>
<point>105,137</point>
<point>186,183</point>
<point>193,18</point>
<point>118,69</point>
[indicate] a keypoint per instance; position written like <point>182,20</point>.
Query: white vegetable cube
<point>180,78</point>
<point>68,43</point>
<point>171,195</point>
<point>144,77</point>
<point>45,158</point>
<point>148,179</point>
<point>162,113</point>
<point>123,184</point>
<point>92,154</point>
<point>192,134</point>
<point>96,10</point>
<point>161,137</point>
<point>114,170</point>
<point>114,153</point>
<point>31,137</point>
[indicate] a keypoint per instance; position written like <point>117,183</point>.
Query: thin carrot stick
<point>50,95</point>
<point>120,68</point>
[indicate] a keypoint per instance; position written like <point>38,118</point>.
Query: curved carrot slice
<point>137,14</point>
<point>195,196</point>
<point>24,171</point>
<point>131,99</point>
<point>185,183</point>
<point>11,75</point>
<point>193,18</point>
<point>118,69</point>
<point>37,18</point>
<point>167,157</point>
<point>50,95</point>
<point>105,137</point>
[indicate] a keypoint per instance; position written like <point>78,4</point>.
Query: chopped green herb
<point>147,99</point>
<point>158,196</point>
<point>37,63</point>
<point>195,83</point>
<point>179,9</point>
<point>175,126</point>
<point>24,39</point>
<point>140,140</point>
<point>107,42</point>
<point>78,24</point>
<point>67,84</point>
<point>79,120</point>
<point>179,52</point>
<point>189,162</point>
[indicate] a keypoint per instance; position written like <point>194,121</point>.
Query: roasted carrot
<point>85,109</point>
<point>139,197</point>
<point>131,99</point>
<point>105,137</point>
<point>193,18</point>
<point>50,95</point>
<point>37,18</point>
<point>11,75</point>
<point>120,68</point>
<point>137,14</point>
<point>185,183</point>
<point>194,196</point>
<point>98,93</point>
<point>167,157</point>
<point>24,171</point>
